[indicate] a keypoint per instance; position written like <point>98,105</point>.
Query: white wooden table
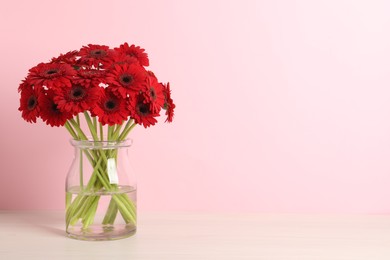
<point>40,235</point>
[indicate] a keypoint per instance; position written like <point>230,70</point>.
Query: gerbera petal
<point>169,106</point>
<point>142,112</point>
<point>76,99</point>
<point>126,79</point>
<point>29,104</point>
<point>110,109</point>
<point>49,111</point>
<point>153,93</point>
<point>134,51</point>
<point>51,75</point>
<point>93,54</point>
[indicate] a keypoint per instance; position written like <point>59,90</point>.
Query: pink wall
<point>282,106</point>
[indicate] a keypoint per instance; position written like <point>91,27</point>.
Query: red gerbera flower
<point>76,99</point>
<point>126,78</point>
<point>110,109</point>
<point>49,111</point>
<point>69,58</point>
<point>153,94</point>
<point>141,111</point>
<point>168,106</point>
<point>29,103</point>
<point>51,75</point>
<point>89,77</point>
<point>93,54</point>
<point>134,51</point>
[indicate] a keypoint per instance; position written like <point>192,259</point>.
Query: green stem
<point>128,124</point>
<point>127,216</point>
<point>91,126</point>
<point>116,132</point>
<point>95,124</point>
<point>74,209</point>
<point>126,132</point>
<point>90,212</point>
<point>68,200</point>
<point>81,171</point>
<point>112,211</point>
<point>70,130</point>
<point>94,174</point>
<point>109,133</point>
<point>80,132</point>
<point>101,132</point>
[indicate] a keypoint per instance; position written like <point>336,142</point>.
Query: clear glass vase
<point>101,191</point>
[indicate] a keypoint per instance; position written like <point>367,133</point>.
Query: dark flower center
<point>153,93</point>
<point>51,72</point>
<point>54,108</point>
<point>111,105</point>
<point>77,93</point>
<point>126,79</point>
<point>143,109</point>
<point>98,53</point>
<point>31,103</point>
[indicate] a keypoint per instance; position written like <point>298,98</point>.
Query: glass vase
<point>101,191</point>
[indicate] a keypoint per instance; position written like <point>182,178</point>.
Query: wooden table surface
<point>160,236</point>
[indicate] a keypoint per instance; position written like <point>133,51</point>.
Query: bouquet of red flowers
<point>110,87</point>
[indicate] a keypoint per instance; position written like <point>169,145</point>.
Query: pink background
<point>282,106</point>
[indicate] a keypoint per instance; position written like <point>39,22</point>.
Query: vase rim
<point>91,144</point>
